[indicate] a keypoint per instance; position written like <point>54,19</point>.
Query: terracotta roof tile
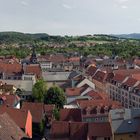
<point>74,59</point>
<point>18,115</point>
<point>71,115</point>
<point>97,96</point>
<point>9,129</point>
<point>10,68</point>
<point>78,131</point>
<point>136,76</point>
<point>94,130</point>
<point>36,109</point>
<point>127,72</point>
<point>130,82</point>
<point>9,100</point>
<point>59,130</point>
<point>94,103</point>
<point>75,91</point>
<point>91,70</point>
<point>100,76</point>
<point>119,78</point>
<point>33,69</point>
<point>49,109</point>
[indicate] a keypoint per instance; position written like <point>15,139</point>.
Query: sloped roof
<point>10,68</point>
<point>92,103</point>
<point>59,130</point>
<point>36,109</point>
<point>100,76</point>
<point>71,115</point>
<point>128,126</point>
<point>127,72</point>
<point>33,69</point>
<point>78,131</point>
<point>130,82</point>
<point>118,78</point>
<point>9,129</point>
<point>18,115</point>
<point>9,100</point>
<point>74,91</point>
<point>91,70</point>
<point>49,109</point>
<point>99,130</point>
<point>96,95</point>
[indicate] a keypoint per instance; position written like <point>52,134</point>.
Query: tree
<point>39,90</point>
<point>55,95</point>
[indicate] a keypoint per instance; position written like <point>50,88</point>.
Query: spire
<point>33,59</point>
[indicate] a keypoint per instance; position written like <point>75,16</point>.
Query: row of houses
<point>26,117</point>
<point>123,124</point>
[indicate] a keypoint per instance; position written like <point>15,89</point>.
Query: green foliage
<point>39,90</point>
<point>55,95</point>
<point>42,127</point>
<point>56,114</point>
<point>14,43</point>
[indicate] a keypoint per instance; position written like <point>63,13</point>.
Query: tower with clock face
<point>33,59</point>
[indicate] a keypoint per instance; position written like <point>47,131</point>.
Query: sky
<point>70,17</point>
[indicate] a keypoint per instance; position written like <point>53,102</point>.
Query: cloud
<point>138,19</point>
<point>124,7</point>
<point>124,0</point>
<point>66,6</point>
<point>24,3</point>
<point>121,1</point>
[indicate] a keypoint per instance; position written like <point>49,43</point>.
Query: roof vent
<point>129,122</point>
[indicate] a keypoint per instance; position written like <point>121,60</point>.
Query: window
<point>107,138</point>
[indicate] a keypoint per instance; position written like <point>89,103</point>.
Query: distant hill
<point>17,37</point>
<point>129,36</point>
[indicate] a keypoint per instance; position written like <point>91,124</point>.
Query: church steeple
<point>33,59</point>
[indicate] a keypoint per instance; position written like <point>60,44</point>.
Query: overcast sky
<point>70,17</point>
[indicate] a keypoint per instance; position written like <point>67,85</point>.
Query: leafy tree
<point>42,127</point>
<point>56,114</point>
<point>55,95</point>
<point>39,90</point>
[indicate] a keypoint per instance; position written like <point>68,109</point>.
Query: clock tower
<point>33,59</point>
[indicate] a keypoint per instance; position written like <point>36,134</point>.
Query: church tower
<point>33,59</point>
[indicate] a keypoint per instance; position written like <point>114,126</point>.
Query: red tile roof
<point>91,70</point>
<point>100,76</point>
<point>10,68</point>
<point>36,109</point>
<point>9,100</point>
<point>78,131</point>
<point>49,110</point>
<point>74,59</point>
<point>94,103</point>
<point>99,130</point>
<point>127,72</point>
<point>9,129</point>
<point>59,130</point>
<point>18,115</point>
<point>130,82</point>
<point>75,91</point>
<point>118,78</point>
<point>71,115</point>
<point>97,96</point>
<point>69,130</point>
<point>59,58</point>
<point>136,76</point>
<point>33,69</point>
